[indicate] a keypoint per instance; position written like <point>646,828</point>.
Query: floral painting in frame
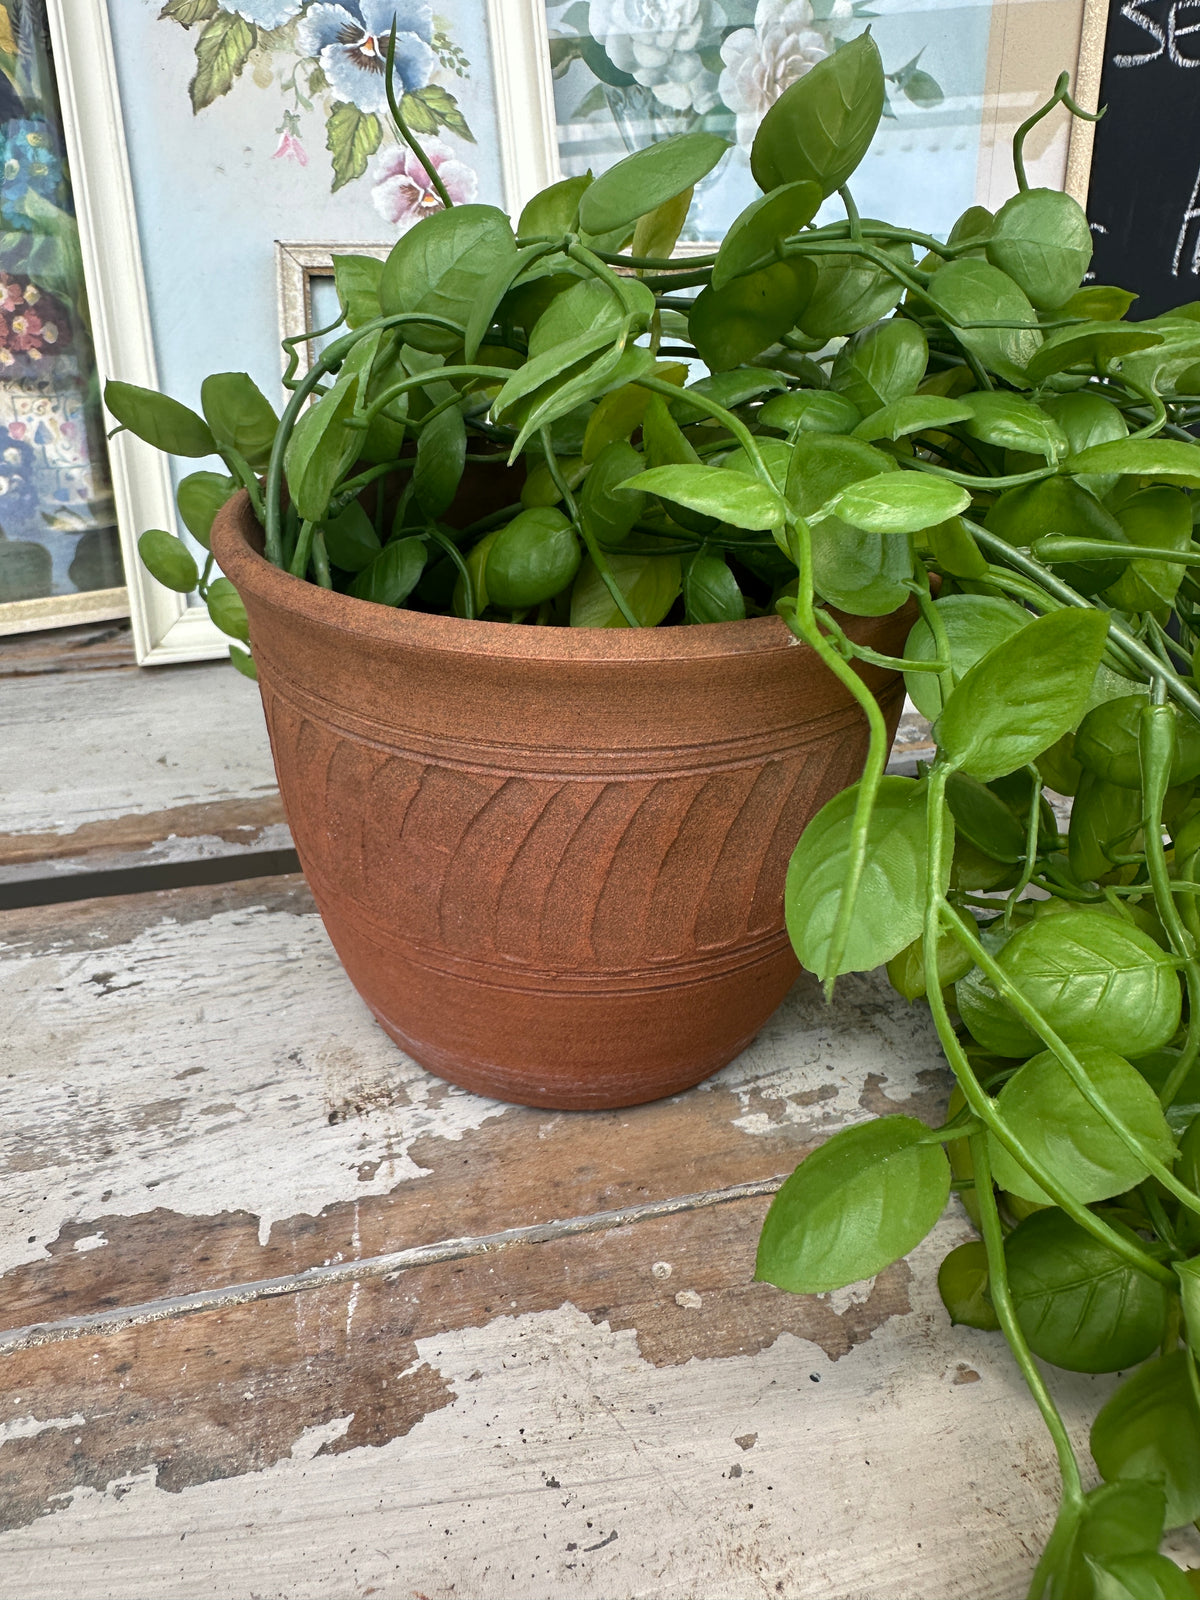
<point>627,72</point>
<point>59,556</point>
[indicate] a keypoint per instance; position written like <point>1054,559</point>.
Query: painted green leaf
<point>860,1201</point>
<point>188,12</point>
<point>352,138</point>
<point>222,50</point>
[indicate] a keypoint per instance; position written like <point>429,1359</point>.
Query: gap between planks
<point>386,1266</point>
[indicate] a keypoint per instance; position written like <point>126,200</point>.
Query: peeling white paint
<point>30,1427</point>
<point>197,1067</point>
<point>91,1241</point>
<point>561,1434</point>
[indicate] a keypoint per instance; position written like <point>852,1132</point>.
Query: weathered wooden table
<point>285,1316</point>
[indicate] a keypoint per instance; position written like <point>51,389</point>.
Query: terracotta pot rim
<point>237,545</point>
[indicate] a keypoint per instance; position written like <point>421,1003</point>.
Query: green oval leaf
<point>392,576</point>
<point>650,584</point>
<point>710,591</point>
<point>900,502</point>
<point>912,413</point>
<point>1094,344</point>
<point>1097,980</point>
<point>717,492</point>
<point>168,560</point>
<point>859,1202</point>
<point>1150,1430</point>
<point>889,910</point>
<point>1059,1128</point>
<point>809,411</point>
<point>240,415</point>
<point>199,497</point>
<point>1172,459</point>
<point>350,539</point>
<point>969,292</point>
<point>963,1286</point>
<point>880,364</point>
<point>159,420</point>
<point>821,126</point>
<point>321,448</point>
<point>441,457</point>
<point>442,267</point>
<point>763,226</point>
<point>227,611</point>
<point>1080,1304</point>
<point>533,558</point>
<point>1042,240</point>
<point>973,624</point>
<point>1013,423</point>
<point>644,180</point>
<point>1023,695</point>
<point>732,325</point>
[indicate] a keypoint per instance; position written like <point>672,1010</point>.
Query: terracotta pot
<point>550,859</point>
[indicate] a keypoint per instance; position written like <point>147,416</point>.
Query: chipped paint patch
<point>163,1072</point>
<point>31,1427</point>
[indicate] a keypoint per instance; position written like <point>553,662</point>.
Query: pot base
<point>563,1041</point>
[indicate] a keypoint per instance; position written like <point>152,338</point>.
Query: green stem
<point>299,565</point>
<point>403,128</point>
<point>1061,96</point>
<point>1001,1298</point>
<point>320,560</point>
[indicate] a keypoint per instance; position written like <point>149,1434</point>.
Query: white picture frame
<point>165,628</point>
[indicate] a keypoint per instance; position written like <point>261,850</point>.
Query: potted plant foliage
<point>502,481</point>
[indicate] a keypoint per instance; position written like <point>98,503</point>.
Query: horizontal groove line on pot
<point>674,973</point>
<point>590,765</point>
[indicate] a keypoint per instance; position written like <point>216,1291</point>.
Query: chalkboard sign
<point>1144,196</point>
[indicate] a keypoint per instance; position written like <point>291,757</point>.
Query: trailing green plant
<point>882,416</point>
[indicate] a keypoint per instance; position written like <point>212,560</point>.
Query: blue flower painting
<point>333,55</point>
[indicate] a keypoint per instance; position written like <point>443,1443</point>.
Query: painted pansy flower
<point>351,43</point>
<point>403,191</point>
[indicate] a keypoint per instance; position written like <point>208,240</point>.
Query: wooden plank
<point>170,761</point>
<point>194,1096</point>
<point>86,647</point>
<point>622,1414</point>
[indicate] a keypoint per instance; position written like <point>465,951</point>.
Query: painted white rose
<point>760,62</point>
<point>656,42</point>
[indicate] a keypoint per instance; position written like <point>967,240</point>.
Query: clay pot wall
<point>551,860</point>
